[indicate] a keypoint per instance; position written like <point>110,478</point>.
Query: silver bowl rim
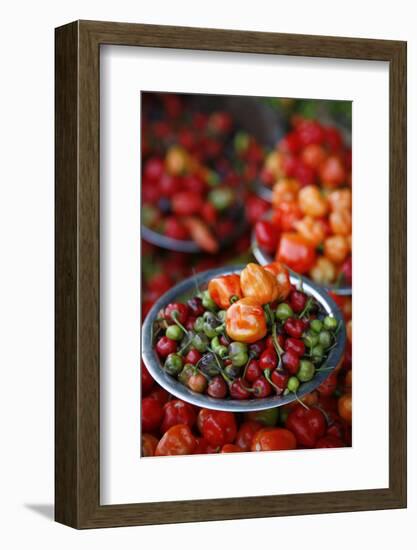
<point>189,246</point>
<point>174,387</point>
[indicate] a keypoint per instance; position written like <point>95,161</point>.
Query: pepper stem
<point>174,316</point>
<point>306,308</point>
<point>277,347</point>
<point>300,402</point>
<point>267,374</point>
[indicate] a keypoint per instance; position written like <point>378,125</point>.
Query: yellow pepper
<point>258,283</point>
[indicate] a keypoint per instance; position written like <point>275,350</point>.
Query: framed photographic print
<point>230,249</point>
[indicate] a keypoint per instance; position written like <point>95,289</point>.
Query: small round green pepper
<point>293,384</point>
<point>283,312</point>
<point>325,339</point>
<point>207,301</point>
<point>173,332</point>
<point>173,364</point>
<point>306,371</point>
<point>330,322</point>
<point>316,325</point>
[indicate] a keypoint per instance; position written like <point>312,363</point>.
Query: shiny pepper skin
<point>223,288</point>
<point>178,440</point>
<point>259,284</point>
<point>217,427</point>
<point>178,412</point>
<point>245,321</point>
<point>308,425</point>
<point>282,277</point>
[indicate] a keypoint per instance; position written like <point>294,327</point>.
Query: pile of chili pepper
<point>191,188</point>
<point>321,419</point>
<point>245,336</point>
<point>310,229</point>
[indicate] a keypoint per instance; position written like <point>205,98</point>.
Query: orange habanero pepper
<point>223,288</point>
<point>259,284</point>
<point>282,276</point>
<point>245,321</point>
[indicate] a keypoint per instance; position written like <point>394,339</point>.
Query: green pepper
<point>221,197</point>
<point>283,312</point>
<point>325,339</point>
<point>241,141</point>
<point>200,342</point>
<point>317,353</point>
<point>207,301</point>
<point>210,324</point>
<point>173,332</point>
<point>199,324</point>
<point>173,364</point>
<point>316,325</point>
<point>293,384</point>
<point>306,371</point>
<point>330,322</point>
<point>221,315</point>
<point>218,348</point>
<point>238,354</point>
<point>186,373</point>
<point>311,339</point>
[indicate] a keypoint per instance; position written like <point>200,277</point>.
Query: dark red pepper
<point>308,425</point>
<point>217,427</point>
<point>178,412</point>
<point>152,414</point>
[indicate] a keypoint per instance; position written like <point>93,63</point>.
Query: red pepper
<point>178,412</point>
<point>308,425</point>
<point>266,236</point>
<point>149,444</point>
<point>246,433</point>
<point>178,440</point>
<point>296,252</point>
<point>160,395</point>
<point>147,380</point>
<point>217,427</point>
<point>230,448</point>
<point>273,439</point>
<point>329,442</point>
<point>152,414</point>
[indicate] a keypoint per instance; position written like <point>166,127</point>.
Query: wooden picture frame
<point>77,372</point>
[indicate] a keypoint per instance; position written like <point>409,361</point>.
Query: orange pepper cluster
<point>243,296</point>
<point>310,176</point>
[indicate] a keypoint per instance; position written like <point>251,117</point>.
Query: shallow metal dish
<point>185,290</point>
<point>158,239</point>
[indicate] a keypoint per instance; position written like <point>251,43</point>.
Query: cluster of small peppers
<point>245,336</point>
<point>174,427</point>
<point>191,189</point>
<point>310,228</point>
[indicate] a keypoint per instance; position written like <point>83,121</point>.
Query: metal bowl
<point>158,239</point>
<point>185,290</point>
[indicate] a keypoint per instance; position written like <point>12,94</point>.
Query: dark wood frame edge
<point>77,274</point>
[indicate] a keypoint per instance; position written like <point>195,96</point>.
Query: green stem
<point>300,402</point>
<point>306,308</point>
<point>267,374</point>
<point>277,347</point>
<point>174,316</point>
